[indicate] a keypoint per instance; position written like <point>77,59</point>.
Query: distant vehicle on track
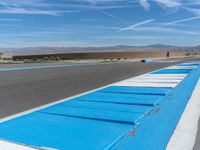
<point>146,60</point>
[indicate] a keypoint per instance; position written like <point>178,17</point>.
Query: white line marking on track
<point>153,80</point>
<point>164,75</point>
<point>11,146</point>
<point>153,84</point>
<point>182,67</point>
<point>184,135</point>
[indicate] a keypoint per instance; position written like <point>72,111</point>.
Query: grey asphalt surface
<point>22,90</point>
<point>26,89</point>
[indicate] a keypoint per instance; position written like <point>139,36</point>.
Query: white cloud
<point>136,37</point>
<point>108,4</point>
<point>133,26</point>
<point>166,30</point>
<point>10,19</point>
<point>33,7</point>
<point>145,4</point>
<point>192,3</point>
<point>110,15</point>
<point>163,3</point>
<point>182,20</point>
<point>95,2</point>
<point>14,10</point>
<point>195,11</point>
<point>169,3</point>
<point>18,3</point>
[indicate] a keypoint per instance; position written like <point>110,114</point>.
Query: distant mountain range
<point>119,48</point>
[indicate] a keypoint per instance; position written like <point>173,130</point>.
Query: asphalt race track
<point>31,85</point>
<point>22,90</point>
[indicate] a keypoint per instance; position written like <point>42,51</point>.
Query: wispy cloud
<point>10,19</point>
<point>163,3</point>
<point>19,3</point>
<point>166,30</point>
<point>108,28</point>
<point>28,7</point>
<point>192,3</point>
<point>99,19</point>
<point>195,11</point>
<point>136,37</point>
<point>133,26</point>
<point>174,5</point>
<point>181,20</point>
<point>145,4</point>
<point>94,5</point>
<point>169,3</point>
<point>31,11</point>
<point>110,15</point>
<point>95,2</point>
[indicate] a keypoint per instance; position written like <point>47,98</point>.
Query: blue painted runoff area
<point>189,64</point>
<point>165,120</point>
<point>115,117</point>
<point>136,90</point>
<point>131,99</point>
<point>108,106</point>
<point>95,114</point>
<point>62,132</point>
<point>173,71</point>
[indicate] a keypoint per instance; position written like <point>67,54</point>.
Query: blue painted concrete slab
<point>134,99</point>
<point>62,125</point>
<point>61,132</point>
<point>155,131</point>
<point>108,106</point>
<point>95,114</point>
<point>173,71</point>
<point>190,64</point>
<point>137,90</point>
<point>102,119</point>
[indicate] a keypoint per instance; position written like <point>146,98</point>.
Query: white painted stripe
<point>11,146</point>
<point>153,80</point>
<point>184,135</point>
<point>153,84</point>
<point>182,67</point>
<point>191,63</point>
<point>156,76</point>
<point>161,78</point>
<point>165,75</point>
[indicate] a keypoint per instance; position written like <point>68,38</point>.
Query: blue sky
<point>27,23</point>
